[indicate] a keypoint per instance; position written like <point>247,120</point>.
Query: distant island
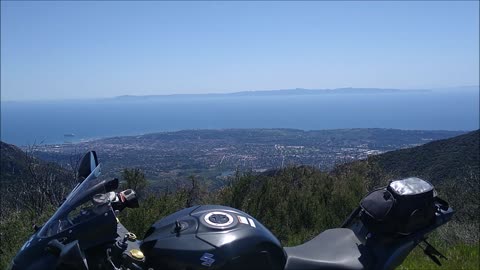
<point>282,92</point>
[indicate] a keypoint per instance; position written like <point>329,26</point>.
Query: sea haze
<point>449,109</point>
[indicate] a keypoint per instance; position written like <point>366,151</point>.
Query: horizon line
<point>239,92</point>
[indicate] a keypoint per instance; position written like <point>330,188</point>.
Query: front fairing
<point>98,230</point>
<point>81,193</point>
<point>95,226</point>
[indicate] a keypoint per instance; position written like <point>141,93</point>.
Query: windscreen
<point>77,207</point>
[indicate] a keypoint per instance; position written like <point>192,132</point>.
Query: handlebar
<point>124,199</point>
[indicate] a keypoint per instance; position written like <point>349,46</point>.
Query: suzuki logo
<point>207,259</point>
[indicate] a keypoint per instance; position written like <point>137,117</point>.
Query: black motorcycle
<point>84,233</point>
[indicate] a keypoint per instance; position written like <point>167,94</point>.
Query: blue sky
<point>58,50</point>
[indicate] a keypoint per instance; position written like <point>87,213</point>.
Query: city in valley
<point>216,154</point>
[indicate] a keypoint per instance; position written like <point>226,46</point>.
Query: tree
<point>134,179</point>
<point>196,193</point>
<point>73,163</point>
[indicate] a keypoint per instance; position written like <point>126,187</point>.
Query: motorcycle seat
<point>332,249</point>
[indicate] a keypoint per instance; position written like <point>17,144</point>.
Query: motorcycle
<point>85,233</point>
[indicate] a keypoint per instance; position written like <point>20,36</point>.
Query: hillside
<point>12,162</point>
<point>441,160</point>
<point>27,182</point>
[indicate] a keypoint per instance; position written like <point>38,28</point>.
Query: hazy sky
<point>53,50</point>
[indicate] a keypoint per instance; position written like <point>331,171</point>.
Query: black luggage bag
<point>403,207</point>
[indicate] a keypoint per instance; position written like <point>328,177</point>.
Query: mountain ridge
<point>280,92</point>
<point>440,160</point>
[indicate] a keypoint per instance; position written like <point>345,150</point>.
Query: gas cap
<point>218,219</point>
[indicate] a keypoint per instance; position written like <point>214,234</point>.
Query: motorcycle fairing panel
<point>75,219</point>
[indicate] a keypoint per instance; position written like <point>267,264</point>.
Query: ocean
<point>24,123</point>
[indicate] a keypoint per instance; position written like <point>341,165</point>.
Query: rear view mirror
<point>88,163</point>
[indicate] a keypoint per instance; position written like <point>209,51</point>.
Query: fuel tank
<point>211,237</point>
